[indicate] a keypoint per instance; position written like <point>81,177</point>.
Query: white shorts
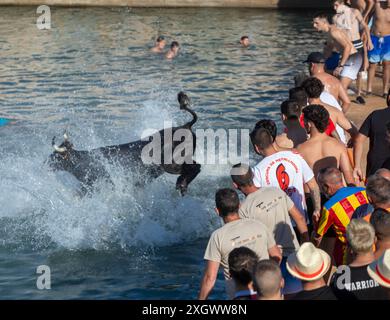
<point>352,66</point>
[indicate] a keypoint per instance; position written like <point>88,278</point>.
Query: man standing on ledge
<point>380,36</point>
<point>333,88</point>
<point>338,42</point>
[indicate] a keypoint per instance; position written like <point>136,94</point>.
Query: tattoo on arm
<point>316,197</point>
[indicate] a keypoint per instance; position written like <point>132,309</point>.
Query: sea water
<point>92,74</point>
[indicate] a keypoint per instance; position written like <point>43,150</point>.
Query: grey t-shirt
<point>239,233</point>
<point>270,206</point>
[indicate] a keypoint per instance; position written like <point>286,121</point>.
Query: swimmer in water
<point>173,51</point>
<point>245,41</point>
<point>160,45</point>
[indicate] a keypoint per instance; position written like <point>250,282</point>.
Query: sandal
<point>360,100</point>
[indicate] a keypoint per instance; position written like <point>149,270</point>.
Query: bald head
<point>384,173</point>
<point>267,279</point>
<point>242,175</point>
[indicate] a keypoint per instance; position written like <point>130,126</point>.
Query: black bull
<point>87,166</point>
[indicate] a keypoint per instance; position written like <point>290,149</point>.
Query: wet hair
<point>174,44</point>
<point>243,175</point>
<point>313,87</point>
<point>318,115</point>
<point>321,15</point>
<point>380,219</point>
<point>160,38</point>
<point>378,189</point>
<point>299,95</point>
<point>241,262</point>
<point>267,278</point>
<point>290,109</point>
<point>360,235</point>
<point>244,37</point>
<point>227,201</point>
<point>261,138</point>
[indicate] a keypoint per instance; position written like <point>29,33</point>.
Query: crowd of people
<point>314,225</point>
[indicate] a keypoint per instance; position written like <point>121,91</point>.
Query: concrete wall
<point>177,3</point>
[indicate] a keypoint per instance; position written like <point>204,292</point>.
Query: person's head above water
<point>160,44</point>
<point>173,51</point>
<point>160,39</point>
<point>245,41</point>
<point>175,47</point>
<point>321,22</point>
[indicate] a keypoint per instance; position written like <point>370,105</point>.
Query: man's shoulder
<point>342,194</point>
<point>283,141</point>
<point>264,191</point>
<point>378,114</point>
<point>301,148</point>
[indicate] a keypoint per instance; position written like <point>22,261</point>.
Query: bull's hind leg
<point>188,173</point>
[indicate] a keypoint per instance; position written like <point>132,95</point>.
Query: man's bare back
<point>323,151</point>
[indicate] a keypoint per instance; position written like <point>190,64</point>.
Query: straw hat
<point>308,263</point>
<point>379,270</point>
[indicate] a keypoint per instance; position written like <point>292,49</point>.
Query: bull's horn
<point>58,149</point>
<point>66,137</point>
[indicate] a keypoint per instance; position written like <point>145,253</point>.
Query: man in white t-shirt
<point>235,233</point>
<point>286,170</point>
<point>275,209</point>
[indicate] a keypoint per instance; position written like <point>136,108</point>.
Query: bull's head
<point>61,157</point>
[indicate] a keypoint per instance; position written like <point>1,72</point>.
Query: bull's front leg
<point>188,173</point>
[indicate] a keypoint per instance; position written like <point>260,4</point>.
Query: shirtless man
<point>314,87</point>
<point>332,85</point>
<point>380,36</point>
<point>338,42</point>
<point>322,151</point>
<point>173,51</point>
<point>293,134</point>
<point>352,22</point>
<point>159,45</point>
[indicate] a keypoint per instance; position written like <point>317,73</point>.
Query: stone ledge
<point>178,3</point>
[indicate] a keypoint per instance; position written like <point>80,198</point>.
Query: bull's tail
<point>184,102</point>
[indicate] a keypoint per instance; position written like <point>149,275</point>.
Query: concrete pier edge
<point>292,4</point>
